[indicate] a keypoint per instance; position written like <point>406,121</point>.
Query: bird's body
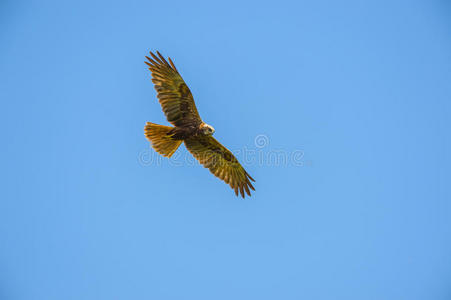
<point>179,107</point>
<point>183,133</point>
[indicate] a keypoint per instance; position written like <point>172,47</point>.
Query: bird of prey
<point>178,106</point>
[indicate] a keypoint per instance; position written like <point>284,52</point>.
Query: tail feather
<point>161,139</point>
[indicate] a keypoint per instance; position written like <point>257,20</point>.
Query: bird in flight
<point>178,106</point>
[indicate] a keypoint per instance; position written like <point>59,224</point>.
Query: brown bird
<point>178,106</point>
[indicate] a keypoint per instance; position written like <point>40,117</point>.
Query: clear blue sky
<point>361,89</point>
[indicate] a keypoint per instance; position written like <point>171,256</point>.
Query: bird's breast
<point>182,133</point>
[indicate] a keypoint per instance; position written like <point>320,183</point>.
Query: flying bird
<point>178,105</point>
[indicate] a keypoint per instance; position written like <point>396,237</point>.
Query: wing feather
<point>173,94</point>
<point>221,163</point>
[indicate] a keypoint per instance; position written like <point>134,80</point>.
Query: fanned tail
<point>161,139</point>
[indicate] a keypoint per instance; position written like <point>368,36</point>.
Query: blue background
<point>361,88</point>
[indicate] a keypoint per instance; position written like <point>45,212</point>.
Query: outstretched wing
<point>221,162</point>
<point>173,93</point>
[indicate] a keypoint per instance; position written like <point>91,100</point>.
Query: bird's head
<point>207,129</point>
